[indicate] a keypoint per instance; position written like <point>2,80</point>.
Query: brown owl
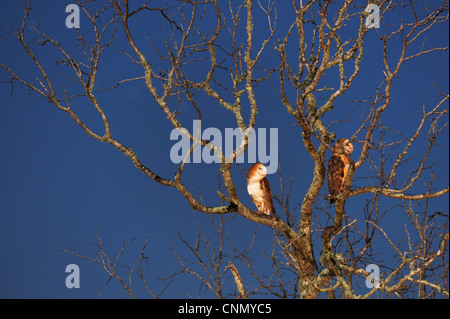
<point>259,188</point>
<point>338,167</point>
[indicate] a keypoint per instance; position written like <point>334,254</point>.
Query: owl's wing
<point>267,196</point>
<point>335,175</point>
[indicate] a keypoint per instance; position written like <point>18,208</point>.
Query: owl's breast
<point>254,189</point>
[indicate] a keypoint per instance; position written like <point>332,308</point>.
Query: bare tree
<point>319,60</point>
<point>115,271</point>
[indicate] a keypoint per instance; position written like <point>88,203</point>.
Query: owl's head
<point>344,145</point>
<point>257,171</point>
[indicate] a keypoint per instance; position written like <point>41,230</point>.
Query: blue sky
<point>57,185</point>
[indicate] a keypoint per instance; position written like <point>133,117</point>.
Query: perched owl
<point>259,188</point>
<point>338,167</point>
